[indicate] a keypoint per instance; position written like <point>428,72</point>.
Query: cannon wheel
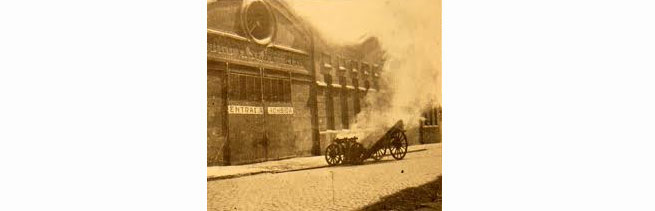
<point>398,145</point>
<point>356,153</point>
<point>333,154</point>
<point>377,155</point>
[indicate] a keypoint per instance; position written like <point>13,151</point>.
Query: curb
<point>282,171</point>
<point>262,172</point>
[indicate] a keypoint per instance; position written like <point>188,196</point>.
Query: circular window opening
<point>259,22</point>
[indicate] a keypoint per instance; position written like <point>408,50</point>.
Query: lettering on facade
<point>239,50</point>
<point>280,110</point>
<point>236,109</point>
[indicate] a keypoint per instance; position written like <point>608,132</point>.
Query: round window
<point>258,21</point>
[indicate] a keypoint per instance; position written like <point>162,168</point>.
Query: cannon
<point>349,151</point>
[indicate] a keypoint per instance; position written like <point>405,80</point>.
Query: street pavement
<point>279,166</point>
<point>330,188</point>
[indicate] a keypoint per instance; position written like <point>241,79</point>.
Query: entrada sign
<point>235,109</point>
<point>238,109</point>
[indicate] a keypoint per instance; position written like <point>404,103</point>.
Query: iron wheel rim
<point>398,146</point>
<point>333,155</point>
<point>379,154</point>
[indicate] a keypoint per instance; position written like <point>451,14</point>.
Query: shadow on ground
<point>424,197</point>
<point>386,159</point>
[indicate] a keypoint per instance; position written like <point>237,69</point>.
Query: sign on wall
<point>235,109</point>
<point>244,51</point>
<point>280,110</point>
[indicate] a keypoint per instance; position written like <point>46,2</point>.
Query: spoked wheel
<point>377,155</point>
<point>356,153</point>
<point>333,154</point>
<point>398,145</point>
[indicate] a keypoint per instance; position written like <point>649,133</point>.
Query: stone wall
<point>215,114</point>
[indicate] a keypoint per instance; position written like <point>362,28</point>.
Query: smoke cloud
<point>409,32</point>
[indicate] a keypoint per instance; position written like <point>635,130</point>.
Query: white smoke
<point>409,32</point>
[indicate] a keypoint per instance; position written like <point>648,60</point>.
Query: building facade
<point>429,129</point>
<point>275,89</point>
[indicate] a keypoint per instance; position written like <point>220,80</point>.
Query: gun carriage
<point>349,151</point>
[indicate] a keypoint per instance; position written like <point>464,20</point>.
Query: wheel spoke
<point>398,145</point>
<point>332,155</point>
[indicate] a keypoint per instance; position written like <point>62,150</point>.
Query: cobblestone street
<point>331,188</point>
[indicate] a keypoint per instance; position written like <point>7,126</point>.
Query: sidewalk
<point>279,166</point>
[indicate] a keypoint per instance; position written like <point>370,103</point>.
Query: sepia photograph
<point>336,105</point>
<point>324,105</point>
